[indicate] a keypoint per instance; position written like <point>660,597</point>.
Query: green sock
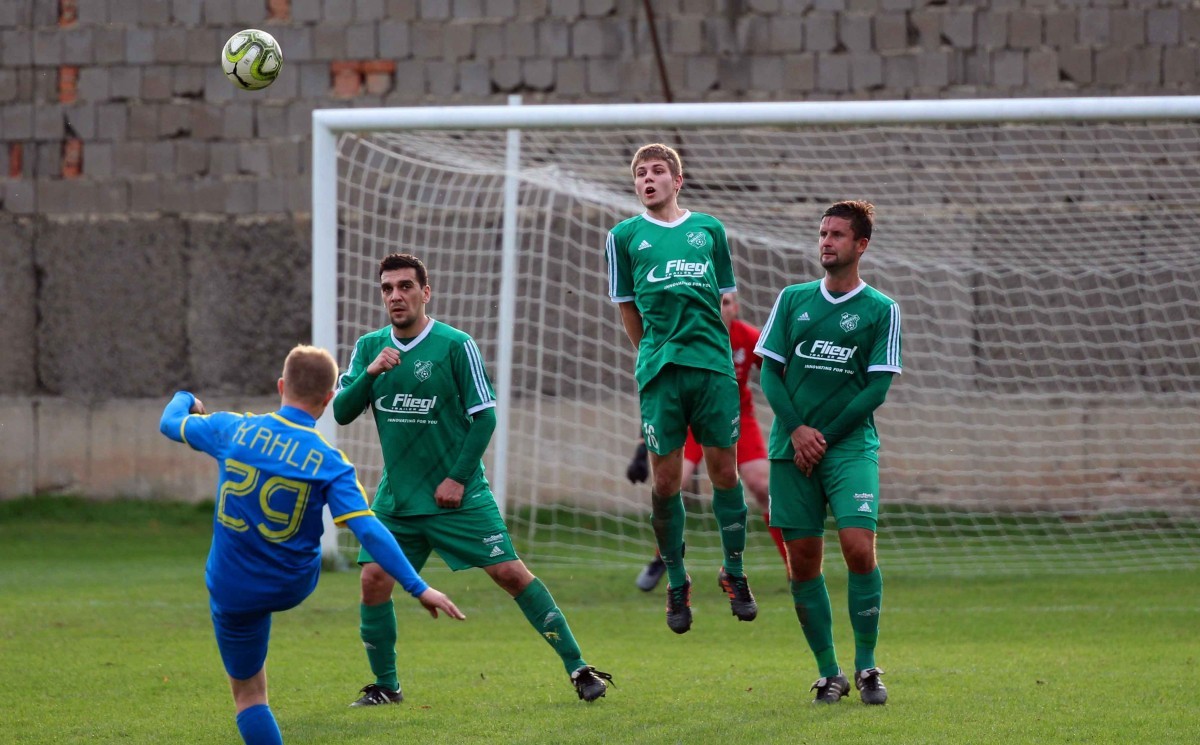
<point>866,602</point>
<point>536,602</point>
<point>377,627</point>
<point>816,618</point>
<point>729,505</point>
<point>667,517</point>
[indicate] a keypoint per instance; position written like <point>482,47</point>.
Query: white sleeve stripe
<point>342,378</point>
<point>622,299</point>
<point>477,373</point>
<point>759,348</point>
<point>884,368</point>
<point>481,407</point>
<point>893,344</point>
<point>610,249</point>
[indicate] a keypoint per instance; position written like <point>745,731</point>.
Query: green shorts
<point>464,540</point>
<point>681,397</point>
<point>849,486</point>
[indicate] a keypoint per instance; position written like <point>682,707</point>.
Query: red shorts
<point>750,445</point>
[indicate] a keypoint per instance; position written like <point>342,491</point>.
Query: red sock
<point>777,536</point>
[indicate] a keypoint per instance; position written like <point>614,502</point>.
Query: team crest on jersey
<point>848,322</point>
<point>424,368</point>
<point>698,239</point>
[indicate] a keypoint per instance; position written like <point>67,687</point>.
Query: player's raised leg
<point>544,615</point>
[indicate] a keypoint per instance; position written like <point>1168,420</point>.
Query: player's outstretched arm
<point>383,548</point>
<point>177,410</point>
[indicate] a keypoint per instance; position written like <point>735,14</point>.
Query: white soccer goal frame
<point>329,123</point>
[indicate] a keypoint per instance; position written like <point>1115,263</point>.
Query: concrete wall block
<point>1189,25</point>
<point>184,12</point>
<point>1077,65</point>
<point>15,13</point>
<point>1146,66</point>
<point>139,45</point>
<point>566,9</point>
<point>329,42</point>
<point>800,72</point>
<point>1008,69</point>
<point>958,28</point>
<point>237,121</point>
<point>296,42</point>
<point>467,10</point>
<point>766,73</point>
<point>314,79</point>
<point>554,39</point>
<point>80,118</point>
<point>1179,66</point>
<point>833,72</point>
<point>47,159</point>
<point>521,39</point>
<point>362,41</point>
<point>337,11</point>
<point>458,41</point>
<point>1024,30</point>
<point>435,10</point>
<point>686,36</point>
<point>394,40</point>
<point>928,25</point>
<point>866,71</point>
<point>306,11</point>
<point>271,195</point>
<point>143,121</point>
<point>47,46</point>
<point>175,120</point>
<point>1127,28</point>
<point>507,74</point>
<point>94,13</point>
<point>1094,26</point>
<point>370,10</point>
<point>427,40</point>
<point>122,13</point>
<point>475,79</point>
<point>8,92</point>
<point>20,196</point>
<point>98,160</point>
<point>187,81</point>
<point>1060,27</point>
<point>77,353</point>
<point>1112,67</point>
<point>1162,26</point>
<point>900,72</point>
<point>270,122</point>
<point>218,12</point>
<point>1041,68</point>
<point>44,83</point>
<point>538,73</point>
<point>93,84</point>
<point>78,47</point>
<point>204,45</point>
<point>599,8</point>
<point>205,120</point>
<point>223,158</point>
<point>125,82</point>
<point>154,12</point>
<point>48,122</point>
<point>170,45</point>
<point>820,33</point>
<point>160,157</point>
<point>16,47</point>
<point>112,121</point>
<point>854,32</point>
<point>700,75</point>
<point>603,76</point>
<point>191,157</point>
<point>506,9</point>
<point>442,78</point>
<point>489,41</point>
<point>410,80</point>
<point>45,14</point>
<point>891,32</point>
<point>572,78</point>
<point>145,196</point>
<point>240,197</point>
<point>129,158</point>
<point>991,30</point>
<point>157,82</point>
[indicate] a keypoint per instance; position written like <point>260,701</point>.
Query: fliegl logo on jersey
<point>679,269</point>
<point>825,351</point>
<point>405,403</point>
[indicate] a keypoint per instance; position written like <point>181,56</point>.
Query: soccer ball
<point>251,59</point>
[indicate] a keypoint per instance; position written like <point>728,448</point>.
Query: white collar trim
<point>414,342</point>
<point>836,300</point>
<point>686,214</point>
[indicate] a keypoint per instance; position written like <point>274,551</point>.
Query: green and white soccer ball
<point>251,59</point>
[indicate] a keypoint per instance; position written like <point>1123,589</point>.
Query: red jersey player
<point>751,448</point>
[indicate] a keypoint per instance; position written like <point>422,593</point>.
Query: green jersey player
<point>667,270</point>
<point>830,349</point>
<point>426,386</point>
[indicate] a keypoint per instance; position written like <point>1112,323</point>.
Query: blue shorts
<point>242,638</point>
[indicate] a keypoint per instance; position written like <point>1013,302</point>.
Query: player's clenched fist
<point>387,359</point>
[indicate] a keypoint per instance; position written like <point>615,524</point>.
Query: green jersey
<point>827,346</point>
<point>423,409</point>
<point>675,274</point>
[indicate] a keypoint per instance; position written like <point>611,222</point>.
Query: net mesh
<point>1047,414</point>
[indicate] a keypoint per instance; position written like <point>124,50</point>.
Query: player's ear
<point>279,386</point>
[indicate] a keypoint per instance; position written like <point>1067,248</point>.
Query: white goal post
<point>1043,251</point>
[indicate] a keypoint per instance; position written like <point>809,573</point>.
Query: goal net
<point>1043,254</point>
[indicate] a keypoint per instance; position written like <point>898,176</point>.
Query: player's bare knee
<point>376,584</point>
<point>513,576</point>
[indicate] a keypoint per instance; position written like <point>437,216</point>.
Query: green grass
<point>105,637</point>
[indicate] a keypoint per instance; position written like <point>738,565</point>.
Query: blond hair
<point>657,151</point>
<point>309,374</point>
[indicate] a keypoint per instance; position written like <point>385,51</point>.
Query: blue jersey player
<point>276,474</point>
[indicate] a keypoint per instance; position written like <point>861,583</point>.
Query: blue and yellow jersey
<point>276,474</point>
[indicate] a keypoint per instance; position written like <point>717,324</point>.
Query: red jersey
<point>742,339</point>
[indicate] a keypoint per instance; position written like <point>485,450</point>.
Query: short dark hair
<point>861,215</point>
<point>391,262</point>
<point>309,373</point>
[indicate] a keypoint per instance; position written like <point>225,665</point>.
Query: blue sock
<point>258,727</point>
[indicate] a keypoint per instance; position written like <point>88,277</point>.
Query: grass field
<point>105,637</point>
